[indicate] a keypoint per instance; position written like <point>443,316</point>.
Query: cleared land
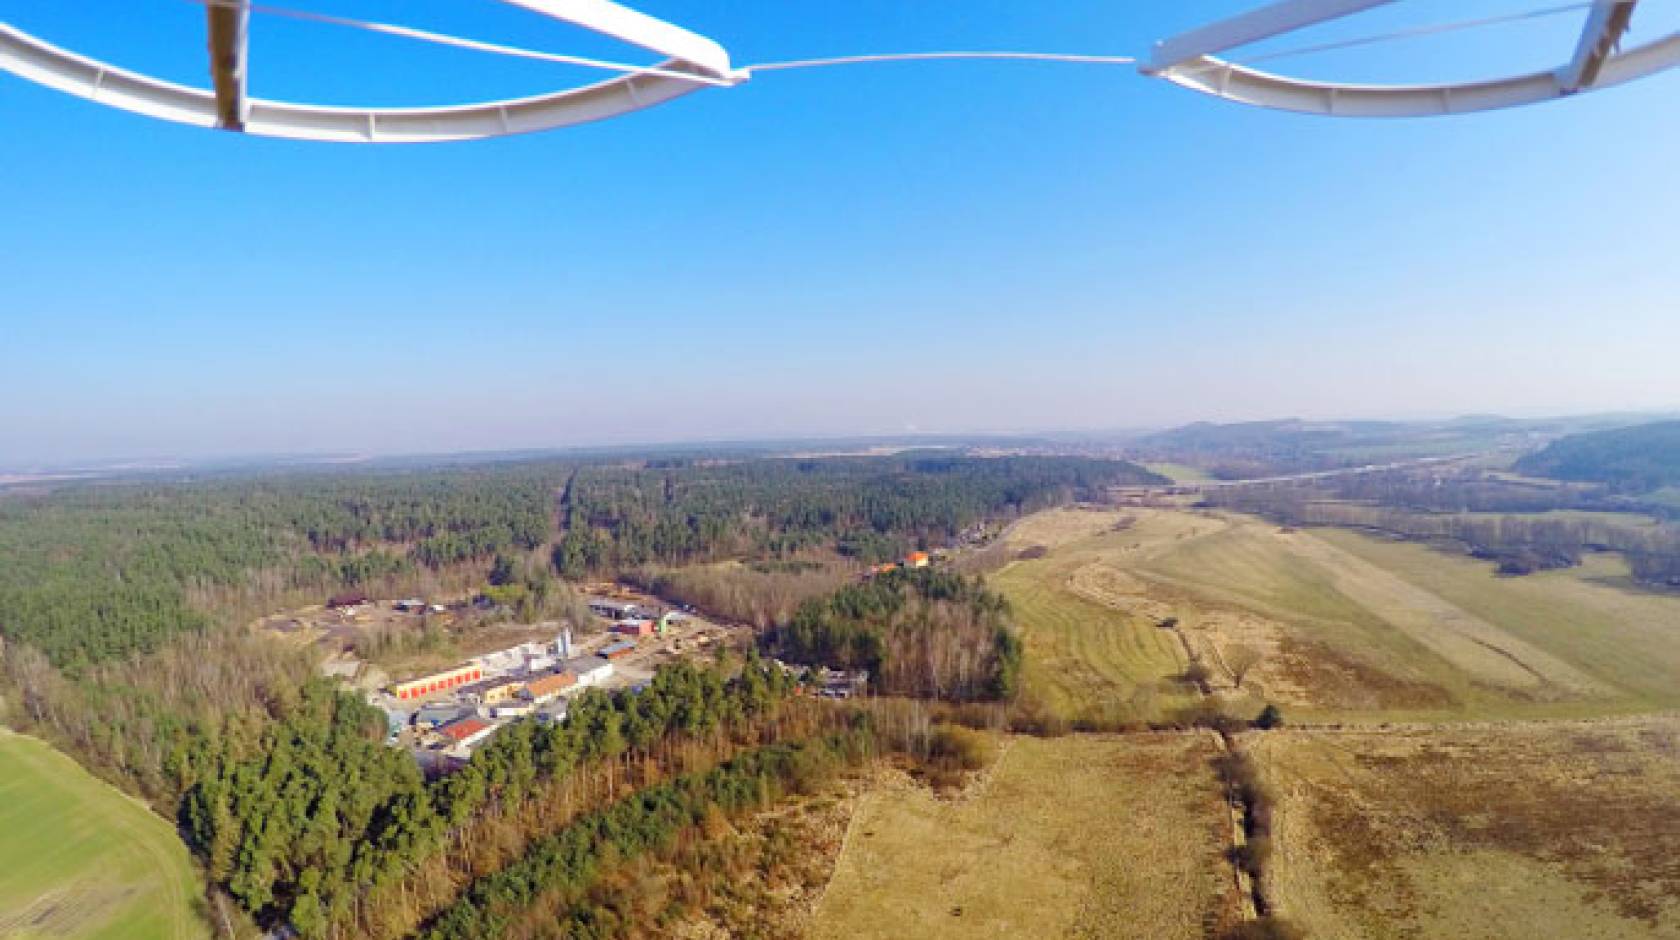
<point>1086,836</point>
<point>1336,625</point>
<point>1178,472</point>
<point>1558,829</point>
<point>80,860</point>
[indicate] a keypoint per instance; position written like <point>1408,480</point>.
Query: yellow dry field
<point>1336,625</point>
<point>1503,832</point>
<point>1091,655</point>
<point>1085,836</point>
<point>1054,528</point>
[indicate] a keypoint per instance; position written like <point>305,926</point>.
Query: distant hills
<point>1633,460</point>
<point>1258,448</point>
<point>1286,436</point>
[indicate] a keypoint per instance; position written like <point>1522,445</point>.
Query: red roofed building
<point>467,732</point>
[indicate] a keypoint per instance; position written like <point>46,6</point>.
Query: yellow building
<point>503,692</point>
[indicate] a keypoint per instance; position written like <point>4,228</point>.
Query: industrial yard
<point>441,709</point>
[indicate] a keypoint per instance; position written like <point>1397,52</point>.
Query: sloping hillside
<point>1633,460</point>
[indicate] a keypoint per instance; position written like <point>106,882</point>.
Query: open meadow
<point>1333,625</point>
<point>1516,830</point>
<point>81,860</point>
<point>1084,836</point>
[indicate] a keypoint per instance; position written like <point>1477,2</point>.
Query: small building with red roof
<point>467,732</point>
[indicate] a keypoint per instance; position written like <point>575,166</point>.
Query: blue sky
<point>937,247</point>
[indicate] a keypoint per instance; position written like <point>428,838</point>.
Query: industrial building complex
<point>442,717</point>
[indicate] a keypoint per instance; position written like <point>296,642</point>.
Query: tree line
<point>762,594</point>
<point>875,509</point>
<point>546,892</point>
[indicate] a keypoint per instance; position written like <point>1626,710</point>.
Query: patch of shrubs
<point>1253,855</point>
<point>1241,774</point>
<point>1207,713</point>
<point>959,748</point>
<point>954,752</point>
<point>1196,674</point>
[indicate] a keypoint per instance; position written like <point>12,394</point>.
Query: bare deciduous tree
<point>1241,659</point>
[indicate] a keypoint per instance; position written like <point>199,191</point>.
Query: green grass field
<point>80,860</point>
<point>1594,617</point>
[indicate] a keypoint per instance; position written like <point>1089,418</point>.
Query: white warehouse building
<point>590,670</point>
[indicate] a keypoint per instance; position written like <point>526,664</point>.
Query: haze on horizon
<point>962,249</point>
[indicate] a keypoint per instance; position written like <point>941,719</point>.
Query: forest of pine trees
<point>875,509</point>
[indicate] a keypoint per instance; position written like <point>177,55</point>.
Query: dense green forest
<point>1630,460</point>
<point>94,573</point>
<point>919,632</point>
